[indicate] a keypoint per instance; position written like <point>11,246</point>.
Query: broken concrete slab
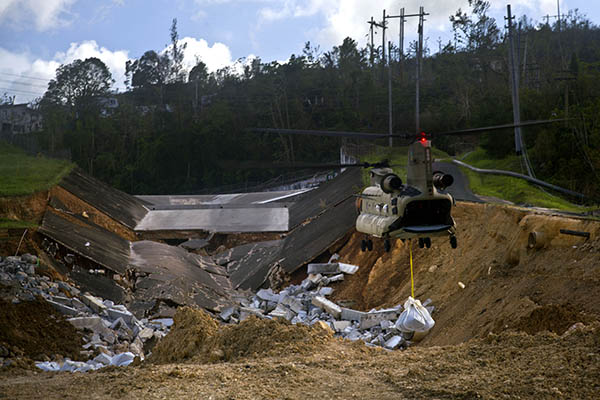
<point>63,309</point>
<point>323,268</point>
<point>393,342</point>
<point>123,359</point>
<point>352,315</point>
<point>327,305</point>
<point>339,326</point>
<point>115,314</point>
<point>348,268</point>
<point>94,303</point>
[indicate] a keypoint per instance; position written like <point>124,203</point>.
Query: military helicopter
<point>421,208</point>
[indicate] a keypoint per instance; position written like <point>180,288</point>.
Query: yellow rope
<point>412,281</point>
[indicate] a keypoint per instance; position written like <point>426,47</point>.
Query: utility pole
<point>383,59</point>
<point>419,54</point>
<point>390,95</point>
<point>372,23</point>
<point>514,80</point>
<point>519,148</point>
<point>401,36</point>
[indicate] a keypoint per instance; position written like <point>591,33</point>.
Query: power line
<point>27,77</point>
<point>22,83</point>
<point>21,91</point>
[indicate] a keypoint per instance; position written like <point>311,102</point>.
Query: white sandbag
<point>414,318</point>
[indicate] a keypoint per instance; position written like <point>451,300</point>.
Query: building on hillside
<point>19,119</point>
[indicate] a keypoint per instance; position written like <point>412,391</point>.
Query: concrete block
<point>268,295</point>
<point>123,359</point>
<point>63,309</point>
<point>94,303</point>
<point>102,359</point>
<point>348,268</point>
<point>373,318</point>
<point>293,303</point>
<point>323,268</point>
<point>352,315</point>
<point>78,304</point>
<point>325,326</point>
<point>146,334</point>
<point>340,325</point>
<point>335,278</point>
<point>282,311</point>
<point>226,314</point>
<point>393,342</point>
<point>327,305</point>
<point>245,312</point>
<point>116,313</point>
<point>62,300</point>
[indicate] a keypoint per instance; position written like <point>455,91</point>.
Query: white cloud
<point>27,77</point>
<point>44,14</point>
<point>345,18</point>
<point>215,57</point>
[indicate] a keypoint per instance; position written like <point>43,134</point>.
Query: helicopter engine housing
<point>391,183</point>
<point>441,181</point>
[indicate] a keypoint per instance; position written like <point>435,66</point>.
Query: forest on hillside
<point>177,131</point>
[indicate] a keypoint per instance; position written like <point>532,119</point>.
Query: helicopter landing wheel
<point>370,245</point>
<point>387,245</point>
<point>427,242</point>
<point>363,245</point>
<point>453,242</point>
<point>421,243</point>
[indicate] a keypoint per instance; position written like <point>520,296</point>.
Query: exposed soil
<point>197,337</point>
<point>33,329</point>
<point>525,325</point>
<point>75,205</point>
<point>505,281</point>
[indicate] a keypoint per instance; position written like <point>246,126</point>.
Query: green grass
<point>6,223</point>
<point>508,188</point>
<point>21,174</point>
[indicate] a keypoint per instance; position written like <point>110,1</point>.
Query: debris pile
<point>307,303</point>
<point>112,334</point>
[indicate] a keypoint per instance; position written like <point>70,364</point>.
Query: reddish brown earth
<point>525,325</point>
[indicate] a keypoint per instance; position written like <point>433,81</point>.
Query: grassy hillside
<point>21,174</point>
<point>508,188</point>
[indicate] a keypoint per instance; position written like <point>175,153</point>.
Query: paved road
<point>460,188</point>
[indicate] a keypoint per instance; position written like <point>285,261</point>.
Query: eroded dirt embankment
<point>507,284</point>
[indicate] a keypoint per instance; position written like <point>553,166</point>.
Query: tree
<point>79,83</point>
<point>198,73</point>
<point>150,69</point>
<point>176,52</point>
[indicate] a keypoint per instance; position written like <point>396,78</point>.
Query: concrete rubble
<point>307,303</point>
<point>112,334</point>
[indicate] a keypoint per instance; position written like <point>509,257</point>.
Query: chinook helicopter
<point>390,209</point>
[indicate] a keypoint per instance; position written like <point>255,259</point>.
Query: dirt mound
<point>35,330</point>
<point>553,318</point>
<point>196,336</point>
<point>192,334</point>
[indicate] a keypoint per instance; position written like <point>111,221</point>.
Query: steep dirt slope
<point>507,284</point>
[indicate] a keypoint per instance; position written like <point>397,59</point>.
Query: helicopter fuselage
<point>419,209</point>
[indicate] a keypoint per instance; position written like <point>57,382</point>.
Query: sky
<point>37,36</point>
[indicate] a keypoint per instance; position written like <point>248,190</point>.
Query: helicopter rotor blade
<point>497,127</point>
<point>361,135</point>
<point>234,164</point>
